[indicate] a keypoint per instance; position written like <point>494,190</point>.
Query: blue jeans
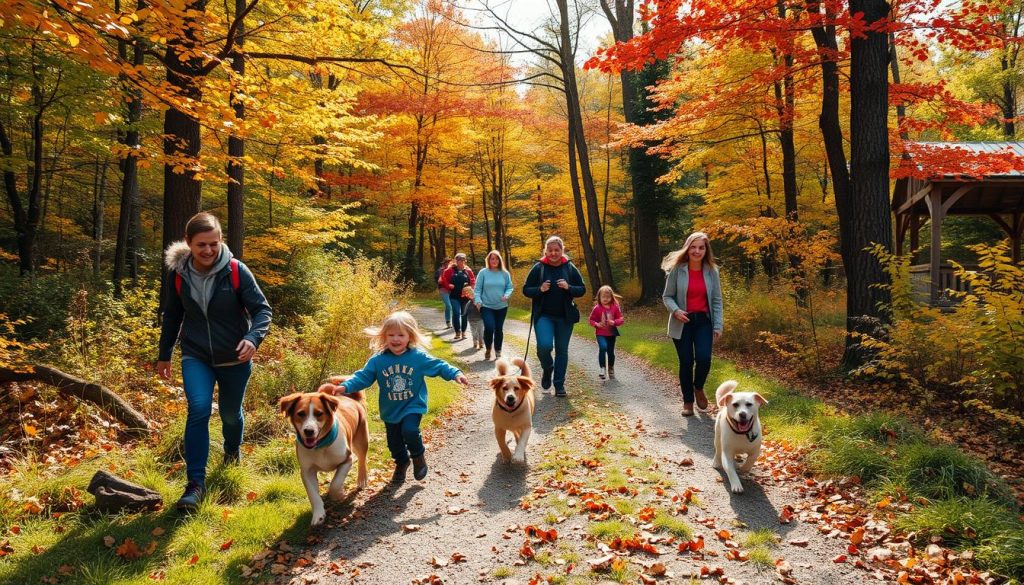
<point>606,349</point>
<point>694,346</point>
<point>199,378</point>
<point>447,305</point>
<point>404,439</point>
<point>494,325</point>
<point>459,316</point>
<point>554,333</point>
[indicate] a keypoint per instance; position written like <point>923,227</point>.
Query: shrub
<point>944,472</point>
<point>975,352</point>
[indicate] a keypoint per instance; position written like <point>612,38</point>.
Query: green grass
<point>278,510</point>
<point>760,544</point>
<point>674,525</point>
<point>609,529</point>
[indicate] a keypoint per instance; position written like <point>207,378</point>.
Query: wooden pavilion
<point>916,201</point>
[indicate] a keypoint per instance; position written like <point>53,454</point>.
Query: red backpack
<point>235,278</point>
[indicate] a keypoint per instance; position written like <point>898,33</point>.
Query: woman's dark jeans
<point>494,325</point>
<point>459,317</point>
<point>199,379</point>
<point>553,333</point>
<point>694,347</point>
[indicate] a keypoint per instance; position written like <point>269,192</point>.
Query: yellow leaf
<point>30,430</point>
<point>73,39</point>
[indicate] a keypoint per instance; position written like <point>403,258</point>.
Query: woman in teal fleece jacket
<point>399,368</point>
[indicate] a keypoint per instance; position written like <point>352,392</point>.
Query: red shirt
<point>697,293</point>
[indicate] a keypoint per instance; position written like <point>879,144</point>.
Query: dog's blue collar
<point>327,440</point>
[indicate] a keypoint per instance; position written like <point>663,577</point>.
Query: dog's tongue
<point>309,442</point>
<point>744,426</point>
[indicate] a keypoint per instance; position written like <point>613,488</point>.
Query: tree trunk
<point>26,221</point>
<point>595,235</point>
<point>236,146</point>
<point>182,142</point>
<point>581,219</point>
<point>871,220</point>
<point>650,199</point>
<point>108,401</point>
<point>127,227</point>
<point>99,205</point>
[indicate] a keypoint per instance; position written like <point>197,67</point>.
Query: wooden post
<point>937,212</point>
<point>915,227</point>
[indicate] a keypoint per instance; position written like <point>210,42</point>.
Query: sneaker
<point>601,374</point>
<point>419,467</point>
<point>560,392</point>
<point>398,477</point>
<point>232,458</point>
<point>497,354</point>
<point>189,501</point>
<point>702,399</point>
<point>687,409</point>
<point>545,380</point>
<point>487,354</point>
<point>447,324</point>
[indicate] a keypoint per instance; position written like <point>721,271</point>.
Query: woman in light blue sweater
<point>493,289</point>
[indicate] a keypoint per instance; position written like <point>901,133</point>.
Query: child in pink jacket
<point>606,319</point>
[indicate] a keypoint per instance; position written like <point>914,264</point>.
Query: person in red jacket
<point>606,319</point>
<point>454,279</point>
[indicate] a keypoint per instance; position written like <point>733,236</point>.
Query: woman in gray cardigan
<point>693,296</point>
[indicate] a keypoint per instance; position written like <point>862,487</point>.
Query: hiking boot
<point>398,477</point>
<point>189,501</point>
<point>687,409</point>
<point>601,374</point>
<point>611,372</point>
<point>487,353</point>
<point>497,354</point>
<point>232,458</point>
<point>702,399</point>
<point>545,380</point>
<point>419,467</point>
<point>560,392</point>
<point>447,324</point>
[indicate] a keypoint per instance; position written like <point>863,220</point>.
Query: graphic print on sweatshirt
<point>399,382</point>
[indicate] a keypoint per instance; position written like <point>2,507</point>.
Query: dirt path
<point>470,499</point>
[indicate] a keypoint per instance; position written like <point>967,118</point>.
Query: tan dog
<point>737,430</point>
<point>513,408</point>
<point>328,431</point>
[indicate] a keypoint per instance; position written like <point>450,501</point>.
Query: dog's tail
<point>726,387</point>
<point>523,367</point>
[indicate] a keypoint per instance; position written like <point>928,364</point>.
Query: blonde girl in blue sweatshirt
<point>399,368</point>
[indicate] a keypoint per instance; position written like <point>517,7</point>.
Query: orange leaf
<point>227,544</point>
<point>858,536</point>
<point>193,560</point>
<point>128,550</point>
<point>250,496</point>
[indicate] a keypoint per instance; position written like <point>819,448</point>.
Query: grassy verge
<point>49,535</point>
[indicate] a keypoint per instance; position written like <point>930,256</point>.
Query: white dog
<point>737,430</point>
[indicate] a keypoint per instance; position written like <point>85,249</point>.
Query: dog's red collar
<point>502,406</point>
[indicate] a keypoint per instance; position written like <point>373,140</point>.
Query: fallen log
<point>107,400</point>
<point>114,494</point>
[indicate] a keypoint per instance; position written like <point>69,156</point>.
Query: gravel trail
<point>470,498</point>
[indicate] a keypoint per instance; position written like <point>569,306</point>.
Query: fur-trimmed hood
<point>177,255</point>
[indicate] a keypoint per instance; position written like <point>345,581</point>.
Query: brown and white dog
<point>328,431</point>
<point>737,430</point>
<point>513,408</point>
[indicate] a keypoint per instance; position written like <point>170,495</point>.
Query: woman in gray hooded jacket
<point>214,306</point>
